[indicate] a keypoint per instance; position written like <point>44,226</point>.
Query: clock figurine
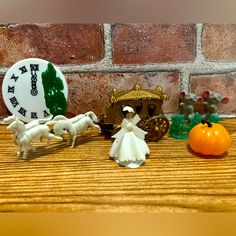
<point>34,88</point>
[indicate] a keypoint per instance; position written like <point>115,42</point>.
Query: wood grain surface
<point>57,178</point>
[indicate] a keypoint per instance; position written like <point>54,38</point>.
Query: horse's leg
<point>54,136</point>
<point>49,140</point>
<point>18,149</point>
<point>68,139</point>
<point>25,151</point>
<point>32,147</point>
<point>15,138</point>
<point>96,126</point>
<point>73,141</point>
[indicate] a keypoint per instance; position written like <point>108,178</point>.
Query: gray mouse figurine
<point>212,102</point>
<point>187,102</point>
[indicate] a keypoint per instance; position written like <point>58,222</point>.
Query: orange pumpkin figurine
<point>209,139</point>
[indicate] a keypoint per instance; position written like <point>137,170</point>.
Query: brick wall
<point>97,57</point>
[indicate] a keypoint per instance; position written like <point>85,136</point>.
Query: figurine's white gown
<point>129,148</point>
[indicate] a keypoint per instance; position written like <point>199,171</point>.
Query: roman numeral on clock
<point>34,115</point>
<point>22,111</point>
<point>34,67</point>
<point>23,69</point>
<point>46,113</point>
<point>11,89</point>
<point>14,77</point>
<point>14,101</point>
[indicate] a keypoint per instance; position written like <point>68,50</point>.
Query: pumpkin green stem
<point>206,122</point>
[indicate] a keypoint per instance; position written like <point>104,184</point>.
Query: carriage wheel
<point>157,127</point>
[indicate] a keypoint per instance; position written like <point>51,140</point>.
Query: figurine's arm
<point>124,123</point>
<point>122,131</point>
<point>135,119</point>
<point>139,132</point>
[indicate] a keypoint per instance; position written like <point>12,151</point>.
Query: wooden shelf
<point>84,179</point>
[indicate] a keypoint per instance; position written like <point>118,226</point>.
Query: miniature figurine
<point>8,120</point>
<point>196,119</point>
<point>129,148</point>
<point>212,102</point>
<point>75,127</point>
<point>74,119</point>
<point>25,137</point>
<point>147,103</point>
<point>187,102</point>
<point>178,128</point>
<point>207,105</point>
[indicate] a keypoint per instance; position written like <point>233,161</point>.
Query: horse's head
<point>92,115</point>
<point>16,125</point>
<point>9,119</point>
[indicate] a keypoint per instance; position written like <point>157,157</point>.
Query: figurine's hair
<point>126,109</point>
<point>124,113</point>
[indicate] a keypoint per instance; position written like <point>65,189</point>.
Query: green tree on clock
<point>53,91</point>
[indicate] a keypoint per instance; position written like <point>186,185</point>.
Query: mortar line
<point>107,60</point>
<point>193,68</point>
<point>184,81</point>
<point>199,53</point>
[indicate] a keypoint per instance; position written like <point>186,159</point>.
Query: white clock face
<point>23,90</point>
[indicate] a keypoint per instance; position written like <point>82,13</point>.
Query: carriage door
<point>138,107</point>
<point>152,110</point>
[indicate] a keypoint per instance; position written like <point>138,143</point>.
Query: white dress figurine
<point>129,148</point>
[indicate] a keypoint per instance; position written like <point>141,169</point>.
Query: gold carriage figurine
<point>147,104</point>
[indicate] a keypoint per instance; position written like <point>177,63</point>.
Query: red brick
<point>219,42</point>
<point>59,43</point>
<point>153,43</point>
<point>91,91</point>
<point>225,84</point>
<point>3,109</point>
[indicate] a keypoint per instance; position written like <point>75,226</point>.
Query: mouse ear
<point>200,100</point>
<point>206,94</point>
<point>182,94</point>
<point>225,100</point>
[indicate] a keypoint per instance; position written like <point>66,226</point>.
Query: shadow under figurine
<point>129,148</point>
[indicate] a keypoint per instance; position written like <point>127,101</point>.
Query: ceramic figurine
<point>212,102</point>
<point>25,137</point>
<point>187,102</point>
<point>182,123</point>
<point>73,119</point>
<point>147,103</point>
<point>75,127</point>
<point>8,120</point>
<point>129,148</point>
<point>207,106</point>
<point>179,128</point>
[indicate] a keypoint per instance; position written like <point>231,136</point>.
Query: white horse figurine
<point>62,126</point>
<point>25,137</point>
<point>73,119</point>
<point>8,120</point>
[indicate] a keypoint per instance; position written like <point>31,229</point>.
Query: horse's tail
<point>43,121</point>
<point>56,119</point>
<point>51,122</point>
<point>92,115</point>
<point>76,118</point>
